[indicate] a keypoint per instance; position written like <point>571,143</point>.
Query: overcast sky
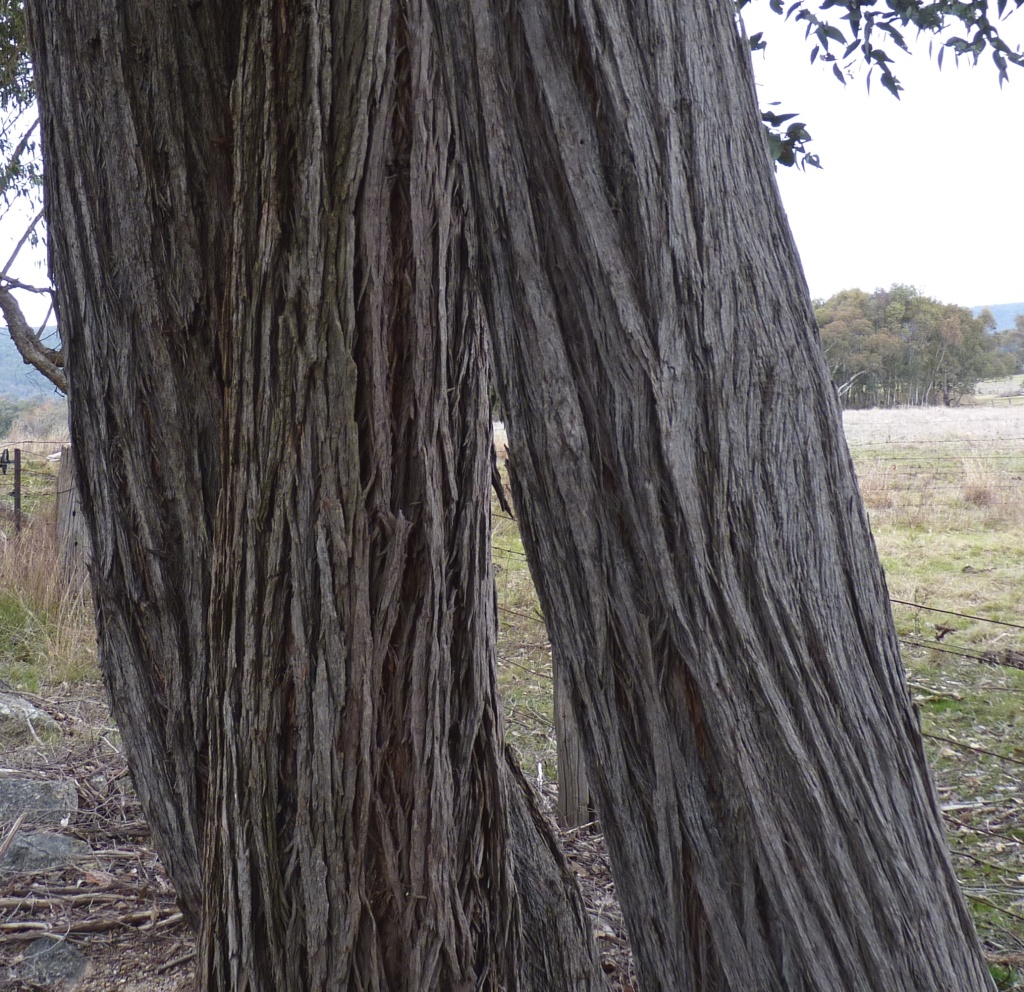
<point>924,190</point>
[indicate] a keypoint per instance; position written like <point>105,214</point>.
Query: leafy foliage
<point>844,33</point>
<point>20,173</point>
<point>896,347</point>
<point>1011,344</point>
<point>788,146</point>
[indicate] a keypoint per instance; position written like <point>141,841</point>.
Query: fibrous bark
<point>690,511</point>
<point>134,108</point>
<point>280,409</point>
<point>358,829</point>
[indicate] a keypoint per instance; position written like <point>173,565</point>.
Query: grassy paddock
<point>1000,392</point>
<point>945,493</point>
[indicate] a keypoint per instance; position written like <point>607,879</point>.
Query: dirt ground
<point>117,906</point>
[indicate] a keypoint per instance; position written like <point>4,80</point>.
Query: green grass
<point>22,636</point>
<point>524,674</point>
<point>948,520</point>
<point>47,633</point>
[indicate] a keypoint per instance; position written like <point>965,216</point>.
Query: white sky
<point>923,190</point>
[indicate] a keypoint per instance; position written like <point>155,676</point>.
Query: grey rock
<point>100,783</point>
<point>43,800</point>
<point>53,964</point>
<point>17,716</point>
<point>32,851</point>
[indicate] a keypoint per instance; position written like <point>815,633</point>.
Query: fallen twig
<point>992,905</point>
<point>34,902</point>
<point>174,962</point>
<point>11,834</point>
<point>973,747</point>
<point>100,925</point>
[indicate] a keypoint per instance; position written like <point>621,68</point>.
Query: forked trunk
<point>279,409</point>
<point>690,510</point>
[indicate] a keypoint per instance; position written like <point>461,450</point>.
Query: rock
<point>43,800</point>
<point>51,964</point>
<point>18,718</point>
<point>32,851</point>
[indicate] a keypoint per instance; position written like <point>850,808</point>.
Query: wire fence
<point>31,470</point>
<point>964,665</point>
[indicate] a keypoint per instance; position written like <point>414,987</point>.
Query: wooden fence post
<point>17,490</point>
<point>574,806</point>
<point>73,547</point>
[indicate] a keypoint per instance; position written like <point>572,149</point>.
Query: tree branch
<point>48,361</point>
<point>28,231</point>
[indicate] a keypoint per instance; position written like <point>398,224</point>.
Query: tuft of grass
<point>981,485</point>
<point>876,485</point>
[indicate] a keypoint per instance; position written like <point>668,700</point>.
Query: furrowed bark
<point>690,511</point>
<point>136,180</point>
<point>358,833</point>
<point>339,747</point>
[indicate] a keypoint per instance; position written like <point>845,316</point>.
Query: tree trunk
<point>137,176</point>
<point>690,511</point>
<point>271,334</point>
<point>359,837</point>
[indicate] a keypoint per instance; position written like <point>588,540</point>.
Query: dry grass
<point>47,631</point>
<point>945,425</point>
<point>981,487</point>
<point>1000,392</point>
<point>42,429</point>
<point>946,499</point>
<point>942,486</point>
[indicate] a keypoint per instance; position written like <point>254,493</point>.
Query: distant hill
<point>1003,313</point>
<point>18,380</point>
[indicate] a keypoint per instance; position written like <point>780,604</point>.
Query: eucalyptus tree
<point>690,511</point>
<point>278,233</point>
<point>280,411</point>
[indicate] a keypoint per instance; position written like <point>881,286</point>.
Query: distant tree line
<point>1011,345</point>
<point>896,347</point>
